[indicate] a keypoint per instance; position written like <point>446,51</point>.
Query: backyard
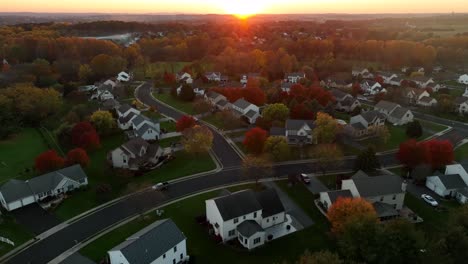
<point>204,250</point>
<point>186,107</point>
<point>17,154</point>
<point>11,230</point>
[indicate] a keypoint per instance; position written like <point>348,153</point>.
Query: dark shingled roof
<point>386,105</point>
<point>334,195</point>
<point>378,185</point>
<point>296,124</point>
<point>426,99</point>
<point>251,114</point>
<point>134,145</point>
<point>124,108</point>
<point>242,103</point>
<point>222,103</point>
<point>270,202</point>
<point>277,131</point>
<point>338,94</point>
<point>452,181</point>
<point>399,112</point>
<point>249,228</point>
<point>384,210</point>
<point>370,116</point>
<point>460,100</point>
<point>237,204</point>
<point>14,190</point>
<point>151,242</point>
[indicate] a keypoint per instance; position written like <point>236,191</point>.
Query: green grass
<point>152,115</point>
<point>169,126</point>
<point>461,153</point>
<point>186,107</point>
<point>167,142</point>
<point>236,134</point>
<point>204,250</point>
<point>328,180</point>
<point>17,154</point>
<point>214,120</point>
<point>432,126</point>
<point>397,136</point>
<point>13,231</point>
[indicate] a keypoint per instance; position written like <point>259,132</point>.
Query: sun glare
<point>243,8</point>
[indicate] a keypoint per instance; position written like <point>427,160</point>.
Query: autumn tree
<point>277,148</point>
<point>440,153</point>
<point>327,156</point>
<point>257,167</point>
<point>201,106</point>
<point>326,128</point>
<point>367,160</point>
<point>356,89</point>
<point>85,73</point>
<point>255,96</point>
<point>48,161</point>
<point>254,140</point>
<point>197,139</point>
<point>77,156</point>
<point>277,113</point>
<point>414,129</point>
<point>84,135</point>
<point>103,121</point>
<point>169,78</point>
<point>185,122</point>
<point>104,65</point>
<point>412,154</point>
<point>228,120</point>
<point>10,123</point>
<point>347,209</point>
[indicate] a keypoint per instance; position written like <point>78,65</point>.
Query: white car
<point>160,186</point>
<point>305,178</point>
<point>428,199</point>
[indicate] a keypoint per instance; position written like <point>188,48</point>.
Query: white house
<point>245,77</point>
<point>162,242</point>
<point>135,154</point>
<point>196,91</point>
<point>345,101</point>
<point>363,72</point>
<point>103,93</point>
<point>465,94</point>
<point>294,77</point>
<point>365,124</point>
<point>296,131</point>
<point>246,109</point>
<point>145,128</point>
<point>453,183</point>
<point>123,77</point>
<point>461,105</point>
<point>386,193</point>
<point>463,79</point>
<point>126,113</point>
<point>388,77</point>
<point>414,95</point>
<point>111,83</point>
<point>214,98</point>
<point>422,81</point>
<point>213,76</point>
<point>427,102</point>
<point>372,87</point>
<point>401,116</point>
<point>386,107</point>
<point>286,86</point>
<point>184,77</point>
<point>15,194</point>
<point>252,218</point>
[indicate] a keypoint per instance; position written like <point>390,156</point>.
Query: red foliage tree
<point>169,78</point>
<point>255,96</point>
<point>379,79</point>
<point>185,122</point>
<point>84,135</point>
<point>77,156</point>
<point>411,153</point>
<point>440,152</point>
<point>48,161</point>
<point>254,140</point>
<point>300,111</point>
<point>356,89</point>
<point>379,97</point>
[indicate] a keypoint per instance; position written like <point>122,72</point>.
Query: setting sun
<point>244,8</point>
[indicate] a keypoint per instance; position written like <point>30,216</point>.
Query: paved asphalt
<point>88,226</point>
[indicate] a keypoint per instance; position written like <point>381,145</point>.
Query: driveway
<point>316,186</point>
<point>77,259</point>
<point>35,219</point>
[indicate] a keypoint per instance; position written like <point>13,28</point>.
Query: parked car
<point>305,178</point>
<point>428,199</point>
<point>161,186</point>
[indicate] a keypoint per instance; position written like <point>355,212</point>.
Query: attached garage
<point>15,194</point>
<point>445,185</point>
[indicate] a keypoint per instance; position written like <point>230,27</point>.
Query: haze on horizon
<point>235,6</point>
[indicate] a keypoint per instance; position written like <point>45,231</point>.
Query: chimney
<point>404,184</point>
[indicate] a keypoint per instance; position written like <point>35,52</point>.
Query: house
<point>286,86</point>
<point>245,77</point>
<point>414,95</point>
<point>465,94</point>
<point>427,101</point>
<point>344,101</point>
<point>339,80</point>
<point>253,218</point>
<point>87,88</point>
<point>296,131</point>
<point>111,83</point>
<point>365,123</point>
<point>386,107</point>
<point>213,76</point>
<point>123,77</point>
<point>453,183</point>
<point>214,98</point>
<point>435,87</point>
<point>388,77</point>
<point>422,81</point>
<point>400,116</point>
<point>184,77</point>
<point>135,154</point>
<point>463,79</point>
<point>196,91</point>
<point>161,242</point>
<point>372,87</point>
<point>294,77</point>
<point>109,105</point>
<point>461,105</point>
<point>363,72</point>
<point>103,93</point>
<point>386,193</point>
<point>243,108</point>
<point>15,193</point>
<point>125,115</point>
<point>144,127</point>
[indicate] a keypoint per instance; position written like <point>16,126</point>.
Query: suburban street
<point>47,249</point>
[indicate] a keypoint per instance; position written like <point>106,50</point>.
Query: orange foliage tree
<point>347,209</point>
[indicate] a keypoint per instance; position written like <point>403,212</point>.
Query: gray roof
<point>463,191</point>
<point>370,116</point>
<point>386,105</point>
<point>270,202</point>
<point>151,242</point>
<point>378,185</point>
<point>384,210</point>
<point>134,145</point>
<point>142,130</point>
<point>296,124</point>
<point>14,190</point>
<point>399,112</point>
<point>242,103</point>
<point>249,228</point>
<point>77,258</point>
<point>339,95</point>
<point>124,108</point>
<point>277,131</point>
<point>358,126</point>
<point>359,174</point>
<point>237,204</point>
<point>251,114</point>
<point>222,103</point>
<point>460,100</point>
<point>140,119</point>
<point>334,195</point>
<point>214,95</point>
<point>125,119</point>
<point>452,181</point>
<point>286,85</point>
<point>426,99</point>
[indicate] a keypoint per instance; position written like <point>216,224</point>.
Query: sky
<point>236,6</point>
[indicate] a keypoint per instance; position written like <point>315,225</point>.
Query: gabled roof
<point>249,228</point>
<point>339,95</point>
<point>460,100</point>
<point>452,181</point>
<point>377,185</point>
<point>14,190</point>
<point>295,74</point>
<point>125,119</point>
<point>124,108</point>
<point>214,95</point>
<point>237,204</point>
<point>399,112</point>
<point>296,124</point>
<point>151,242</point>
<point>139,119</point>
<point>386,105</point>
<point>370,116</point>
<point>270,202</point>
<point>426,99</point>
<point>251,114</point>
<point>134,145</point>
<point>142,130</point>
<point>277,131</point>
<point>334,195</point>
<point>222,103</point>
<point>384,210</point>
<point>242,103</point>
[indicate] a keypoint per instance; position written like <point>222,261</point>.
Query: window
<point>236,220</point>
<point>394,197</point>
<point>181,255</point>
<point>255,215</point>
<point>173,261</point>
<point>232,232</point>
<point>244,217</point>
<point>257,240</point>
<point>164,255</point>
<point>381,199</point>
<point>268,220</point>
<point>175,249</point>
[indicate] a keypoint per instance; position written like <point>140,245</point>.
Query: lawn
<point>169,126</point>
<point>186,107</point>
<point>214,120</point>
<point>17,154</point>
<point>167,142</point>
<point>433,127</point>
<point>150,70</point>
<point>152,115</point>
<point>13,231</point>
<point>204,250</point>
<point>461,153</point>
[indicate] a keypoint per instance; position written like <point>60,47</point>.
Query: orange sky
<point>236,6</point>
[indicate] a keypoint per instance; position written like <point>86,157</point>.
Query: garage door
<point>28,200</point>
<point>14,205</point>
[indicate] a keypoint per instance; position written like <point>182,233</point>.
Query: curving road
<point>49,248</point>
